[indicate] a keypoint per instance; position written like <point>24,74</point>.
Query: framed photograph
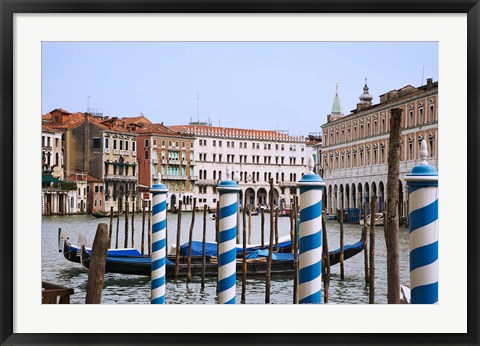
<point>149,111</point>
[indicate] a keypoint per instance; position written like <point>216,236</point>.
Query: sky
<point>254,85</point>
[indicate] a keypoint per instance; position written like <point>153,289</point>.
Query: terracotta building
<point>102,147</point>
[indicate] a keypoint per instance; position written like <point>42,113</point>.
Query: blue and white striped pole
<point>310,238</point>
<point>159,216</point>
<point>423,203</point>
<point>227,266</point>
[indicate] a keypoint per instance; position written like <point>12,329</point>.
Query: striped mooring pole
<point>159,216</point>
<point>422,185</point>
<point>310,237</point>
<point>227,213</point>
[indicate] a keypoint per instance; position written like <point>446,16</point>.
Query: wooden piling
<point>342,265</point>
<point>372,251</point>
<point>326,263</point>
<point>262,212</point>
<point>149,228</point>
<point>365,236</point>
<point>133,222</point>
<point>125,243</point>
<point>110,229</point>
<point>190,239</point>
<point>143,228</point>
<point>291,226</point>
<point>249,226</point>
<point>204,240</point>
<point>296,281</point>
<point>270,247</point>
<point>96,272</point>
<point>118,224</point>
<point>276,229</point>
<point>244,253</point>
<point>393,180</point>
<point>179,229</point>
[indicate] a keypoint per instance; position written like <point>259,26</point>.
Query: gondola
<point>282,263</point>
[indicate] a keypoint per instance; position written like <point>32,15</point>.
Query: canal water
<point>132,289</point>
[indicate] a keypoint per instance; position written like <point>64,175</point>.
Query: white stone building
<point>256,155</point>
<point>354,151</point>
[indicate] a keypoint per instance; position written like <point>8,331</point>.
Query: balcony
<point>173,162</point>
<point>184,162</point>
<point>193,177</point>
<point>127,152</point>
<point>116,151</point>
<point>46,147</point>
<point>106,150</point>
<point>134,153</point>
<point>154,161</point>
<point>156,176</point>
<point>122,152</point>
<point>164,161</point>
<point>116,177</point>
<point>207,182</point>
<point>287,184</point>
<point>173,177</point>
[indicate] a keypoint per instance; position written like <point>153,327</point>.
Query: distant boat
<point>100,214</point>
<point>213,216</point>
<point>331,217</point>
<point>378,220</point>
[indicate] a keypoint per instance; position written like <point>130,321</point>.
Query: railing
<point>154,161</point>
<point>52,292</point>
<point>164,161</point>
<point>156,176</point>
<point>173,177</point>
<point>287,184</point>
<point>116,151</point>
<point>127,152</point>
<point>47,147</point>
<point>193,177</point>
<point>122,152</point>
<point>106,151</point>
<point>209,182</point>
<point>134,153</point>
<point>121,177</point>
<point>173,162</point>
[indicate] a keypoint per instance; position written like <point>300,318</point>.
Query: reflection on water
<point>132,289</point>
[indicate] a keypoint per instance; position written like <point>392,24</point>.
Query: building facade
<point>52,152</point>
<point>354,151</point>
<point>101,147</point>
<point>254,155</point>
<point>166,156</point>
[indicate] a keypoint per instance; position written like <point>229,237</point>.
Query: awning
<point>49,179</point>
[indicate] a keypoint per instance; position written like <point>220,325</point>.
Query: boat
<point>72,252</point>
<point>330,217</point>
<point>282,263</point>
<point>378,220</point>
<point>100,214</point>
<point>213,216</point>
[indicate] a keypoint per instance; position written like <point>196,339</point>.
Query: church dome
<point>366,97</point>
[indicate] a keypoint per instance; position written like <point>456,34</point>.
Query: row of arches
<point>354,195</point>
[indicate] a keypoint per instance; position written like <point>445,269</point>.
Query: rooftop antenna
<point>423,70</point>
<point>198,106</point>
<point>88,104</point>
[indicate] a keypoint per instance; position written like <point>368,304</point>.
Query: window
<point>97,144</point>
<point>96,188</point>
<point>411,119</point>
<point>121,145</point>
<point>420,120</point>
<point>126,145</point>
<point>106,143</point>
<point>169,144</point>
<point>133,146</point>
<point>183,144</point>
<point>431,114</point>
<point>146,143</point>
<point>214,143</point>
<point>146,154</point>
<point>163,143</point>
<point>219,143</point>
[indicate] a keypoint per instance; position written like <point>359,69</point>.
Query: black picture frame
<point>10,7</point>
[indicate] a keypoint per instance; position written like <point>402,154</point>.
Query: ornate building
<point>354,149</point>
<point>254,155</point>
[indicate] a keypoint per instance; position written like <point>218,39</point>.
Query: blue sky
<point>259,85</point>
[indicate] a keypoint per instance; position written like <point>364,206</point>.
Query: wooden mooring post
<point>249,225</point>
<point>204,240</point>
<point>133,221</point>
<point>96,272</point>
<point>125,243</point>
<point>190,239</point>
<point>118,224</point>
<point>143,228</point>
<point>244,254</point>
<point>371,299</point>
<point>393,180</point>
<point>110,229</point>
<point>326,256</point>
<point>365,243</point>
<point>270,247</point>
<point>149,228</point>
<point>342,256</point>
<point>177,248</point>
<point>262,212</point>
<point>276,229</point>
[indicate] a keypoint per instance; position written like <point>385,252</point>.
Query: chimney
<point>429,83</point>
